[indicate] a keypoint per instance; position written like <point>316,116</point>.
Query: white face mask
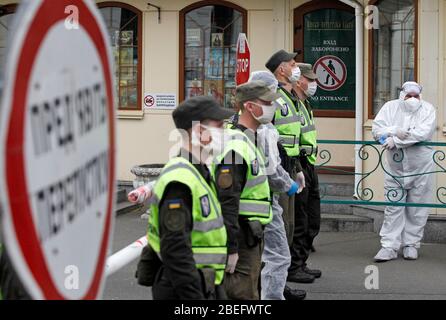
<point>412,104</point>
<point>195,139</point>
<point>268,113</point>
<point>312,88</point>
<point>295,75</point>
<point>217,143</point>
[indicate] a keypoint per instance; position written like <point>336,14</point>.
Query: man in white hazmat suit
<point>276,253</point>
<point>399,126</point>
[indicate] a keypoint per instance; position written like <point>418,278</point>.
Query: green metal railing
<point>394,196</point>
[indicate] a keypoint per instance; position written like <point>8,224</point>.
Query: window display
<point>211,34</point>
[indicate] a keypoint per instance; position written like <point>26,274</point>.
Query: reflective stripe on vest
<point>290,140</point>
<point>255,197</point>
<point>255,182</point>
<point>288,125</point>
<point>208,236</point>
<point>254,208</point>
<point>202,257</point>
<point>308,129</point>
<point>308,133</point>
<point>288,120</point>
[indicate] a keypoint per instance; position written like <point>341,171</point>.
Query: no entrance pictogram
<point>331,73</point>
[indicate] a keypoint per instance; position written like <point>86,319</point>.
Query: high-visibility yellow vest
<point>255,199</point>
<point>208,237</point>
<point>288,121</point>
<point>232,121</point>
<point>308,134</point>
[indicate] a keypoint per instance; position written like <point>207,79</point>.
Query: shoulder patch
<point>284,111</point>
<point>174,204</point>
<point>205,206</point>
<point>255,167</point>
<point>175,219</point>
<point>225,178</point>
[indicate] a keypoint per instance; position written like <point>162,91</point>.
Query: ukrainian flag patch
<point>225,170</point>
<point>174,204</point>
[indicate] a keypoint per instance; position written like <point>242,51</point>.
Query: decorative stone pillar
<point>145,173</point>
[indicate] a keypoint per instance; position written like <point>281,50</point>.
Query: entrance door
<point>324,35</point>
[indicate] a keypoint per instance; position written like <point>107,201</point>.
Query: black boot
<point>300,276</point>
<point>294,294</point>
<point>314,272</point>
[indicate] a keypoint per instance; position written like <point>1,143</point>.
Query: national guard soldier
<point>289,121</point>
<point>244,191</point>
<point>308,202</point>
<point>186,227</point>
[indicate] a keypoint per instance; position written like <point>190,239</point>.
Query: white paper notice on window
<point>242,43</point>
<point>193,37</point>
<point>160,101</point>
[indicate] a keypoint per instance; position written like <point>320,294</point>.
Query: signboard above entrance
<point>328,43</point>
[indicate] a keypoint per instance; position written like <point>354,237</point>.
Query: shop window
<point>393,50</point>
<point>208,41</point>
<point>6,15</point>
<point>124,24</point>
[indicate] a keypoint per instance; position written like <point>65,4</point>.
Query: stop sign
<point>243,60</point>
<point>57,149</point>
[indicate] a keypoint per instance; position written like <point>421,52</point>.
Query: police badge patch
<point>205,206</point>
<point>175,219</point>
<point>224,180</point>
<point>255,167</point>
<point>284,110</point>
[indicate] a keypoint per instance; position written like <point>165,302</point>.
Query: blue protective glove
<point>383,139</point>
<point>293,189</point>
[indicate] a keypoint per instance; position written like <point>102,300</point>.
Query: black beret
<point>277,58</point>
<point>199,109</point>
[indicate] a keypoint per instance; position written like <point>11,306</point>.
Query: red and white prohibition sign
<point>149,101</point>
<point>57,149</point>
<point>331,73</point>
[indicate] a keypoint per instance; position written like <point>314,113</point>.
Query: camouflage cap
<point>253,90</point>
<point>306,70</point>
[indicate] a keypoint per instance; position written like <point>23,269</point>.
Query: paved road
<point>122,285</point>
<point>342,257</point>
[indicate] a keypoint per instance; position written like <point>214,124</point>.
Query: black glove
<point>148,267</point>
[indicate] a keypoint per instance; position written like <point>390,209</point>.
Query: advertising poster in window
<point>217,40</point>
<point>194,88</point>
<point>126,38</point>
<point>214,88</point>
<point>229,97</point>
<point>126,56</point>
<point>329,44</point>
<point>214,63</point>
